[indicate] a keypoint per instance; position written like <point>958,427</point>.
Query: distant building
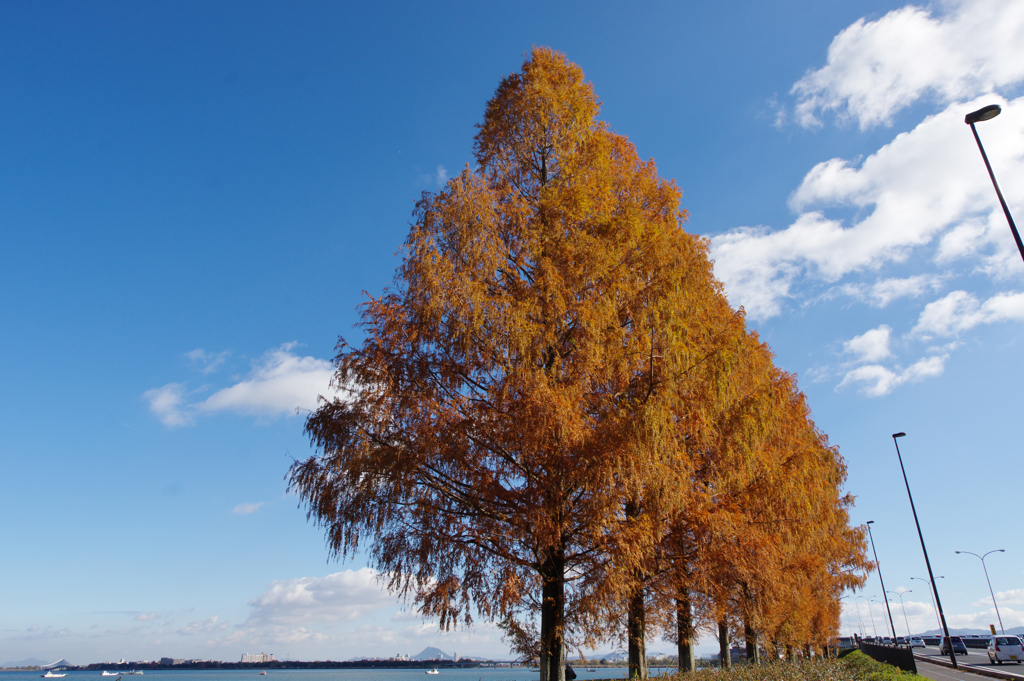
<point>257,657</point>
<point>167,660</point>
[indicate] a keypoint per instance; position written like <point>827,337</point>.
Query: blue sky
<point>194,197</point>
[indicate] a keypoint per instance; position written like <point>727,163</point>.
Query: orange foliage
<point>555,406</point>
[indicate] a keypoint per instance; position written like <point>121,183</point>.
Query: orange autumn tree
<point>535,358</point>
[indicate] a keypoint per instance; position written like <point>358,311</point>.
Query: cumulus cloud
<point>146,617</point>
<point>926,185</point>
<point>280,383</point>
<point>960,311</point>
<point>342,596</point>
<point>202,627</point>
<point>208,362</point>
<point>877,68</point>
<point>885,291</point>
<point>247,508</point>
<point>870,346</point>
<point>876,380</point>
<point>167,403</point>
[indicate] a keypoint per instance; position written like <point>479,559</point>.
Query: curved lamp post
<point>900,595</point>
<point>982,558</point>
<point>987,113</point>
<point>859,619</point>
<point>870,601</point>
<point>874,631</point>
<point>928,582</point>
<point>928,564</point>
<point>878,566</point>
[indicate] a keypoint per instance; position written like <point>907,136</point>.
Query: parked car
<point>916,642</point>
<point>955,642</point>
<point>1005,649</point>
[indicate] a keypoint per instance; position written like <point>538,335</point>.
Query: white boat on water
<point>432,671</point>
<point>108,673</point>
<point>52,675</point>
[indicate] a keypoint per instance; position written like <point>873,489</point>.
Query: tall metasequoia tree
<point>535,359</point>
<point>765,490</point>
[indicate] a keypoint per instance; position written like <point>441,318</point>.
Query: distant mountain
<point>1015,631</point>
<point>431,653</point>
<point>30,662</point>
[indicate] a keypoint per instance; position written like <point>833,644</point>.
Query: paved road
<point>976,657</point>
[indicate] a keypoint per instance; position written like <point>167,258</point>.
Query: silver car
<point>1004,649</point>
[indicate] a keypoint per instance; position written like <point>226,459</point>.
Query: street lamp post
<point>931,575</point>
<point>859,619</point>
<point>900,595</point>
<point>870,601</point>
<point>984,114</point>
<point>878,566</point>
<point>922,579</point>
<point>871,613</point>
<point>982,558</point>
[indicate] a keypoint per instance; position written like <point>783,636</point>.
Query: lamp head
<point>896,435</point>
<point>985,113</point>
<point>871,522</point>
<point>958,552</point>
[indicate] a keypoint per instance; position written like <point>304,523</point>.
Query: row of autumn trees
<point>556,422</point>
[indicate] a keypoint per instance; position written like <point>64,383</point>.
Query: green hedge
<point>856,666</point>
<point>871,670</point>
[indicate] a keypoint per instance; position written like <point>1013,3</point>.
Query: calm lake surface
<point>488,674</point>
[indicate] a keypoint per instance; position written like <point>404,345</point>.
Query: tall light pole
<point>874,631</point>
<point>870,601</point>
<point>984,114</point>
<point>982,558</point>
<point>896,593</point>
<point>861,621</point>
<point>931,575</point>
<point>928,582</point>
<point>878,566</point>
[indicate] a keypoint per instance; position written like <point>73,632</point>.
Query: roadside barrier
<point>894,655</point>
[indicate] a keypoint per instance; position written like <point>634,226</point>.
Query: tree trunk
<point>552,618</point>
<point>725,657</point>
<point>636,615</point>
<point>753,656</point>
<point>636,628</point>
<point>684,632</point>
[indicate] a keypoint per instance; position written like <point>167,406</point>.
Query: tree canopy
<point>555,405</point>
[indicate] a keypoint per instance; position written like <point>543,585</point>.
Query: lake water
<point>485,674</point>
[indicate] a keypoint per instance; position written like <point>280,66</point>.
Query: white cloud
<point>146,617</point>
<point>440,176</point>
<point>870,346</point>
<point>342,596</point>
<point>877,68</point>
<point>247,508</point>
<point>167,403</point>
<point>927,184</point>
<point>884,291</point>
<point>202,627</point>
<point>280,383</point>
<point>209,361</point>
<point>877,380</point>
<point>960,311</point>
